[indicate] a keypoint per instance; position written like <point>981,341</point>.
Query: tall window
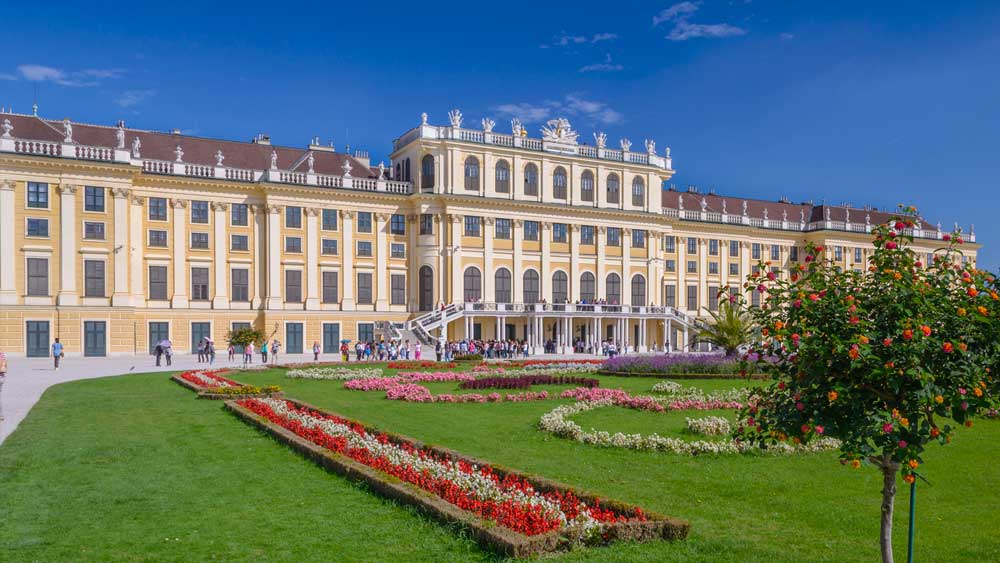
<point>531,230</point>
<point>331,287</point>
<point>638,192</point>
<point>614,188</point>
<point>397,289</point>
<point>775,252</point>
<point>397,224</point>
<point>638,238</point>
<point>588,287</point>
<point>293,286</point>
<point>364,222</point>
<point>238,215</point>
<point>734,248</point>
<point>586,234</point>
<point>472,226</point>
<point>472,173</point>
<point>38,195</point>
<point>364,288</point>
<point>614,288</point>
<point>692,245</point>
<point>530,286</point>
<point>503,177</point>
<point>502,285</point>
<point>38,276</point>
<point>158,283</point>
<point>199,284</point>
<point>670,243</point>
<point>502,229</point>
<point>329,220</point>
<point>713,247</point>
<point>614,236</point>
<point>473,285</point>
<point>93,199</point>
<point>427,172</point>
<point>587,186</point>
<point>638,289</point>
<point>857,255</point>
<point>199,212</point>
<point>559,232</point>
<point>713,298</point>
<point>240,282</point>
<point>530,180</point>
<point>93,272</point>
<point>559,183</point>
<point>671,296</point>
<point>755,251</point>
<point>427,224</point>
<point>157,209</point>
<point>692,297</point>
<point>560,287</point>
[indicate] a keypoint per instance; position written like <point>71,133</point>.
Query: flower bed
<point>525,381</point>
<point>615,396</point>
<point>414,393</point>
<point>513,514</point>
<point>708,426</point>
<point>546,363</point>
<point>383,383</point>
<point>420,364</point>
<point>211,385</point>
<point>557,422</point>
<point>339,373</point>
<point>678,366</point>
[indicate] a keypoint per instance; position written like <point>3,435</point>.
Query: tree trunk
<point>889,470</point>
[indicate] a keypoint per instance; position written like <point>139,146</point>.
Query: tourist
<point>201,350</point>
<point>315,351</point>
<point>168,350</point>
<point>232,352</point>
<point>57,352</point>
<point>275,347</point>
<point>248,354</point>
<point>263,352</point>
<point>210,351</point>
<point>416,351</point>
<point>158,352</point>
<point>344,352</point>
<point>3,376</point>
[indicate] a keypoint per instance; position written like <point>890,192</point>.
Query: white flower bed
<point>674,391</point>
<point>708,426</point>
<point>668,387</point>
<point>334,373</point>
<point>475,483</point>
<point>207,381</point>
<point>557,422</point>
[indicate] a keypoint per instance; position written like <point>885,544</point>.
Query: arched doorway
<point>426,291</point>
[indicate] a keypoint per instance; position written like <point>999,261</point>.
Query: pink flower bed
<point>414,393</point>
<point>695,404</point>
<point>617,396</point>
<point>385,383</point>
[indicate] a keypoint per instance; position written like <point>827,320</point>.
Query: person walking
<point>232,352</point>
<point>210,351</point>
<point>275,348</point>
<point>158,352</point>
<point>3,376</point>
<point>437,350</point>
<point>345,352</point>
<point>248,354</point>
<point>263,352</point>
<point>168,351</point>
<point>315,351</point>
<point>201,350</point>
<point>57,353</point>
<point>416,351</point>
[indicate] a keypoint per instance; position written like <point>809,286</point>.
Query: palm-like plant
<point>730,328</point>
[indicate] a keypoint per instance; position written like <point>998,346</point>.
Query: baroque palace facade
<point>114,238</point>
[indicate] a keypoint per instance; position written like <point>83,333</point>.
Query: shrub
<point>673,364</point>
<point>469,358</point>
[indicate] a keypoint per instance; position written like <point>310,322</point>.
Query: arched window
<point>638,289</point>
<point>588,287</point>
<point>560,287</point>
<point>530,180</point>
<point>587,186</point>
<point>614,289</point>
<point>530,286</point>
<point>638,192</point>
<point>472,173</point>
<point>427,172</point>
<point>559,183</point>
<point>503,177</point>
<point>406,168</point>
<point>614,188</point>
<point>501,283</point>
<point>473,284</point>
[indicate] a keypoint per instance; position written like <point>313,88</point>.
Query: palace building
<point>113,238</point>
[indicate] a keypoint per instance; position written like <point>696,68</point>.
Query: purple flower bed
<point>526,381</point>
<point>674,364</point>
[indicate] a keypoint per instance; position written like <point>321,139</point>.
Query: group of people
<point>206,351</point>
<point>268,351</point>
<point>372,351</point>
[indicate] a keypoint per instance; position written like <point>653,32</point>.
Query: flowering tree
<point>886,360</point>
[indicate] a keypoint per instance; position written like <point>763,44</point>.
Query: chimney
<point>362,157</point>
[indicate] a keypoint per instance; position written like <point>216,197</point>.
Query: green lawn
<point>135,468</point>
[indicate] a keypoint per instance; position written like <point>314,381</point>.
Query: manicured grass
<point>135,468</point>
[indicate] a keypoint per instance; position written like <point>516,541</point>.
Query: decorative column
<point>545,281</point>
<point>516,295</point>
<point>274,289</point>
<point>455,259</point>
<point>574,263</point>
<point>601,273</point>
<point>653,282</point>
<point>381,261</point>
<point>67,246</point>
<point>489,291</point>
<point>347,261</point>
<point>137,245</point>
<point>627,267</point>
<point>312,258</point>
<point>412,261</point>
<point>121,296</point>
<point>8,291</point>
<point>180,298</point>
<point>259,260</point>
<point>702,274</point>
<point>442,243</point>
<point>681,295</point>
<point>221,266</point>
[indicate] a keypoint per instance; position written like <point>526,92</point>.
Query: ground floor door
<point>199,332</point>
<point>510,331</point>
<point>95,338</point>
<point>331,338</point>
<point>293,338</point>
<point>37,334</point>
<point>635,337</point>
<point>158,332</point>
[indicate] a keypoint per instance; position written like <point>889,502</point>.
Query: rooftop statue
<point>559,130</point>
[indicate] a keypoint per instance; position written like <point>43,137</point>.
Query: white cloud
<point>572,105</point>
<point>131,98</point>
<point>607,66</point>
<point>679,14</point>
<point>788,36</point>
<point>5,76</point>
<point>81,78</point>
<point>566,40</point>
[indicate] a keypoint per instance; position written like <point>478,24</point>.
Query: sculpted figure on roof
<point>559,130</point>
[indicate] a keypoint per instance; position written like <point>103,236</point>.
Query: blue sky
<point>866,102</point>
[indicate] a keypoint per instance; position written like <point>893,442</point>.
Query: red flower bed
<point>190,377</point>
<point>526,381</point>
<point>420,364</point>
